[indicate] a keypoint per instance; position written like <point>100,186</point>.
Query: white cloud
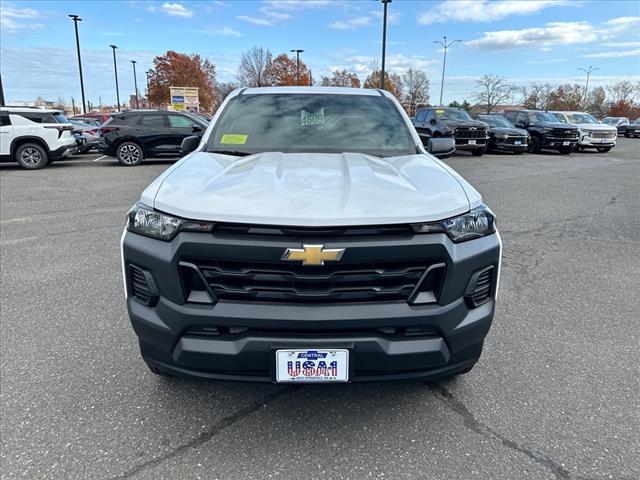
<point>393,18</point>
<point>622,44</point>
<point>225,31</point>
<point>556,33</point>
<point>298,4</point>
<point>268,19</point>
<point>483,10</point>
<point>351,23</point>
<point>256,20</point>
<point>618,26</point>
<point>176,10</point>
<point>614,54</point>
<point>10,19</point>
<point>543,62</point>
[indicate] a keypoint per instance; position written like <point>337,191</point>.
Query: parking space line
<point>100,158</point>
<point>12,220</point>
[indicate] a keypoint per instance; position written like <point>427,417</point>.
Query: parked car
<point>504,136</point>
<point>101,117</point>
<point>624,126</point>
<point>94,122</point>
<point>133,136</point>
<point>592,133</point>
<point>86,136</point>
<point>545,130</point>
<point>309,237</point>
<point>469,134</point>
<point>34,137</point>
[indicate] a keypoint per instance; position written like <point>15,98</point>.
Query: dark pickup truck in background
<point>504,136</point>
<point>546,131</point>
<point>469,134</point>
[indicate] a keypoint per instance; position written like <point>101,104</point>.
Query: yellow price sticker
<point>439,111</point>
<point>233,139</point>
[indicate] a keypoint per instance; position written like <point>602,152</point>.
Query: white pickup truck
<point>592,133</point>
<point>308,236</point>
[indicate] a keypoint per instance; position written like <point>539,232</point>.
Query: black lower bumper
<point>463,144</point>
<point>386,340</point>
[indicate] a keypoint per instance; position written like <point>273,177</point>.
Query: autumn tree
<point>175,69</point>
<point>282,71</point>
<point>392,82</point>
<point>254,68</point>
<point>341,78</point>
<point>624,91</point>
<point>492,91</point>
<point>595,102</point>
<point>566,97</point>
<point>416,90</point>
<point>537,96</point>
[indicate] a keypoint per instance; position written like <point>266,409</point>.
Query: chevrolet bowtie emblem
<point>313,254</point>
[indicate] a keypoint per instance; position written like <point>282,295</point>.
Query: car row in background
<point>133,136</point>
<point>624,126</point>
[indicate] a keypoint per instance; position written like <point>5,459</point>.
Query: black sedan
<point>504,136</point>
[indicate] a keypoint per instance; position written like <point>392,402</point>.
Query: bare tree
<point>622,92</point>
<point>538,96</point>
<point>416,90</point>
<point>493,90</point>
<point>222,90</point>
<point>254,68</point>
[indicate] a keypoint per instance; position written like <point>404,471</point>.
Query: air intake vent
<point>480,287</point>
<point>143,288</point>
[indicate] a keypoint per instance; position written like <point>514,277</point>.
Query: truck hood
<point>308,189</point>
<point>464,123</point>
<point>597,127</point>
<point>508,131</point>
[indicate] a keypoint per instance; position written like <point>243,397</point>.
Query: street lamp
<point>115,71</point>
<point>77,19</point>
<point>135,82</point>
<point>148,73</point>
<point>297,52</point>
<point>384,41</point>
<point>1,93</point>
<point>444,62</point>
<point>588,72</point>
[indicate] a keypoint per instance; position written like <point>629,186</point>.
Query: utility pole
<point>384,41</point>
<point>588,72</point>
<point>135,81</point>
<point>148,73</point>
<point>100,102</point>
<point>2,102</point>
<point>115,71</point>
<point>297,52</point>
<point>444,61</point>
<point>77,19</point>
<point>73,105</point>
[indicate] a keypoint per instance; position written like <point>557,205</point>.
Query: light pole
<point>297,52</point>
<point>135,82</point>
<point>444,62</point>
<point>2,103</point>
<point>115,71</point>
<point>384,41</point>
<point>148,73</point>
<point>77,19</point>
<point>588,72</point>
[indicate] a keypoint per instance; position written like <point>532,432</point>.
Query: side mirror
<point>521,125</point>
<point>189,144</point>
<point>433,121</point>
<point>197,128</point>
<point>441,147</point>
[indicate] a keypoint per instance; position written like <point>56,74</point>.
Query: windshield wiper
<point>236,153</point>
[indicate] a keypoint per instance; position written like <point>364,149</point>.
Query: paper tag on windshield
<point>307,118</point>
<point>233,139</point>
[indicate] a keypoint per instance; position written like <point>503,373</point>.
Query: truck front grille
<point>465,133</point>
<point>281,282</point>
<point>564,133</point>
<point>603,135</point>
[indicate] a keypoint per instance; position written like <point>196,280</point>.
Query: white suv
<point>34,137</point>
<point>593,134</point>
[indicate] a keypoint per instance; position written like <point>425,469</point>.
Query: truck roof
<point>314,90</point>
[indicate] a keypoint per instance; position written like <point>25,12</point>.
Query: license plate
<point>566,144</point>
<point>517,142</point>
<point>472,142</point>
<point>312,365</point>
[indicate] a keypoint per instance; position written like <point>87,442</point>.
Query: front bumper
<point>387,340</point>
<point>470,144</point>
<point>559,143</point>
<point>508,145</point>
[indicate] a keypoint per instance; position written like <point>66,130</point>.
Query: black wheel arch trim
<point>16,142</point>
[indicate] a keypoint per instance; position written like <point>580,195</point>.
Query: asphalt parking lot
<point>555,395</point>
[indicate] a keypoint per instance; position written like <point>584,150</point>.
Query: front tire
<point>534,145</point>
<point>129,154</point>
<point>31,156</point>
<point>478,152</point>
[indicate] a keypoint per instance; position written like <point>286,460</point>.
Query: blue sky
<point>535,40</point>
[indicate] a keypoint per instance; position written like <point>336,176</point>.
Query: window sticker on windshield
<point>307,118</point>
<point>233,139</point>
<point>439,111</point>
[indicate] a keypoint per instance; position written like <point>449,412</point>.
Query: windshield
<point>496,121</point>
<point>542,117</point>
<point>444,115</point>
<point>59,118</point>
<point>304,123</point>
<point>580,118</point>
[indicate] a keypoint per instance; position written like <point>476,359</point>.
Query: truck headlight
<point>477,223</point>
<point>146,221</point>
